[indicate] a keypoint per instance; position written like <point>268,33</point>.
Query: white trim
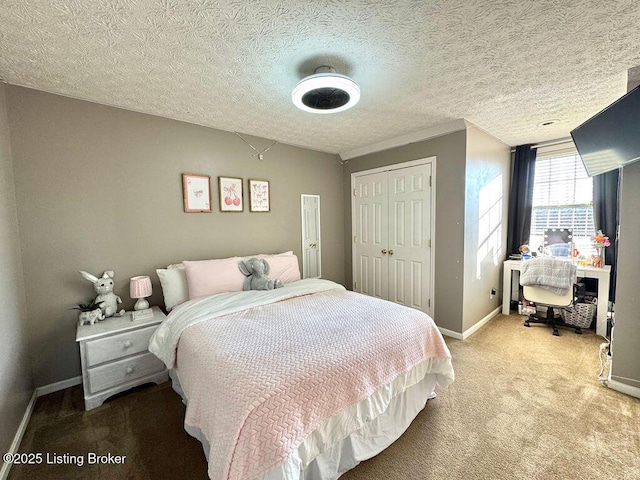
<point>467,333</point>
<point>17,439</point>
<point>57,386</point>
<point>477,326</point>
<point>450,333</point>
<point>431,132</point>
<point>624,388</point>
<point>387,168</point>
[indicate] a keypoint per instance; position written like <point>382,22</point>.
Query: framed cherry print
<point>230,194</point>
<point>259,196</point>
<point>196,193</point>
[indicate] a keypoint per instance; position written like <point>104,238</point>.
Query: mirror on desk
<point>558,242</point>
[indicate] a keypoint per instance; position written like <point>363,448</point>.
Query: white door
<point>392,220</point>
<point>311,259</point>
<point>409,236</point>
<point>371,235</point>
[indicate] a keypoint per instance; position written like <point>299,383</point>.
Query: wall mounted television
<point>611,138</point>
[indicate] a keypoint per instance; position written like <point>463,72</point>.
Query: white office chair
<point>545,297</point>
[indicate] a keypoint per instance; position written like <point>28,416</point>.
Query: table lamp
<point>140,288</point>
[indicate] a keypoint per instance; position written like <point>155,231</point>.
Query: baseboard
<point>467,333</point>
<point>450,333</point>
<point>15,445</point>
<point>624,388</point>
<point>57,386</point>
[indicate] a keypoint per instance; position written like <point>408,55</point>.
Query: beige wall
<point>450,151</point>
<point>485,234</point>
<point>16,383</point>
<point>100,188</point>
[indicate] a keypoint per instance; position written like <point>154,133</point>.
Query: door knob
<point>384,251</point>
<point>390,252</point>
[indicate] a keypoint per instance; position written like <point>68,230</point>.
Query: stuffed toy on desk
<point>256,269</point>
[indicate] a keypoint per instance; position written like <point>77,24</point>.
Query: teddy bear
<point>256,270</point>
<point>106,299</point>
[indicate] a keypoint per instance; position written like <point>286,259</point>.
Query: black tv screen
<point>611,138</point>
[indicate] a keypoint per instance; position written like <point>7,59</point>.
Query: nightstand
<point>115,356</point>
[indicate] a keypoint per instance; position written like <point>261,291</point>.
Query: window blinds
<point>562,196</point>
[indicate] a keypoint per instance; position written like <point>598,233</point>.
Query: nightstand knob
<point>129,369</point>
<point>127,344</point>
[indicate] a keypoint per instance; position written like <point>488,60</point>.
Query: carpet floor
<point>525,405</point>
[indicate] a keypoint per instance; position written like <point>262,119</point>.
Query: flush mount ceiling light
<point>548,123</point>
<point>325,92</point>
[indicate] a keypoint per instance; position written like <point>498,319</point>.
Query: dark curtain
<point>521,198</point>
<point>606,197</point>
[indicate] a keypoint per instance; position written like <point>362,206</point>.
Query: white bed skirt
<point>374,436</point>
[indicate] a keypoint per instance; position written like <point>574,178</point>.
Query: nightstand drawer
<point>123,371</point>
<point>118,346</point>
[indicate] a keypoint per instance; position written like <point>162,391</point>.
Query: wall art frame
<point>231,196</point>
<point>196,193</point>
<point>259,195</point>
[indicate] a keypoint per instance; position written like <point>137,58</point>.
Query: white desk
<point>601,274</point>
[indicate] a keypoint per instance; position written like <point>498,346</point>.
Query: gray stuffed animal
<point>256,269</point>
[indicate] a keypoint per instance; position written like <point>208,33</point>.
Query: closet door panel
<point>371,235</point>
<point>409,236</point>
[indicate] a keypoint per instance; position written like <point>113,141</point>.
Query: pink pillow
<point>210,277</point>
<point>284,268</point>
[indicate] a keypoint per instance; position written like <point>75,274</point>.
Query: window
<point>562,198</point>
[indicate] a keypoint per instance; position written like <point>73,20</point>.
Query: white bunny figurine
<point>106,299</point>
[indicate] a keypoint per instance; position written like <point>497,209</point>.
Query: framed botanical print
<point>259,196</point>
<point>230,194</point>
<point>196,193</point>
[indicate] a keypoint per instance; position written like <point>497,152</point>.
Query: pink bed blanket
<point>258,380</point>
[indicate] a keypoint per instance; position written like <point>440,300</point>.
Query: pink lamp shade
<point>140,287</point>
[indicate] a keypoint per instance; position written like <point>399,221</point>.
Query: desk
<point>601,274</point>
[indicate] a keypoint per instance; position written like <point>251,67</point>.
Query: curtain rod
<point>550,143</point>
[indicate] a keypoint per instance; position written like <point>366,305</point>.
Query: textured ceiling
<point>505,66</point>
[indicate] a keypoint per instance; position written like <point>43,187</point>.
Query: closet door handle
<point>390,252</point>
<point>384,251</point>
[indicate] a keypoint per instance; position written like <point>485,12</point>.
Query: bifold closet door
<point>371,235</point>
<point>392,235</point>
<point>409,234</point>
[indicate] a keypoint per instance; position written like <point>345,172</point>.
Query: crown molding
<point>431,132</point>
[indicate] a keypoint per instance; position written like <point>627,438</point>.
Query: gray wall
<point>485,234</point>
<point>100,188</point>
<point>626,335</point>
<point>16,383</point>
<point>450,151</point>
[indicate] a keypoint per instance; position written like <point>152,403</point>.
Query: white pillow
<point>175,288</point>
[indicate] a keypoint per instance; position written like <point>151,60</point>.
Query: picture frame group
<point>197,194</point>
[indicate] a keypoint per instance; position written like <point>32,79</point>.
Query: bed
<point>301,382</point>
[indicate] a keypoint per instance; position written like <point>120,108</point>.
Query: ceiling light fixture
<point>325,92</point>
<point>548,123</point>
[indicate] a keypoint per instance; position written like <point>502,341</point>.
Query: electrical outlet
<point>492,293</point>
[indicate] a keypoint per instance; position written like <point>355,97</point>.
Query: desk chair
<point>541,296</point>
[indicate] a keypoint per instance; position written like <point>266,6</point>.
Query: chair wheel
<point>556,332</point>
<point>578,331</point>
<point>526,324</point>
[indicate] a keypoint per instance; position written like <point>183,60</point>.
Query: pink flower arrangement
<point>600,239</point>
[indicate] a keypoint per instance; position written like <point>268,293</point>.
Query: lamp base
<point>141,304</point>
